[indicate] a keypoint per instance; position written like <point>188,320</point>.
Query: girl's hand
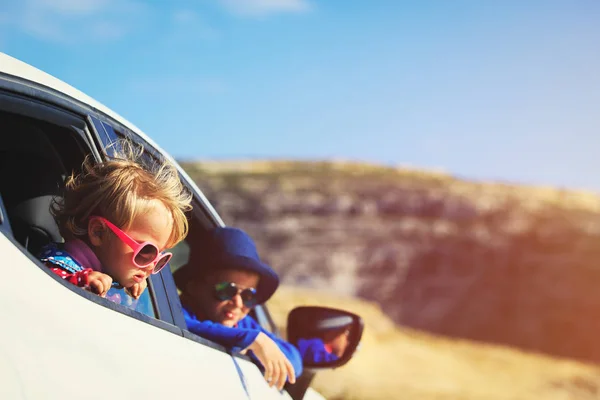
<point>98,283</point>
<point>137,289</point>
<point>278,368</point>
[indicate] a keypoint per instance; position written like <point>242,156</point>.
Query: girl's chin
<point>128,282</point>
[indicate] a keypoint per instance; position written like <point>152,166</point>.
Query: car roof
<point>12,66</point>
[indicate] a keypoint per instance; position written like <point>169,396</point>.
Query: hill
<point>492,262</point>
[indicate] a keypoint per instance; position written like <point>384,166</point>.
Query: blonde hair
<point>119,189</point>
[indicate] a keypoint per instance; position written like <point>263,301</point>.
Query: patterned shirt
<point>62,263</point>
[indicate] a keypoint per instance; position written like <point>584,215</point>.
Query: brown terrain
<point>488,262</point>
<point>402,363</point>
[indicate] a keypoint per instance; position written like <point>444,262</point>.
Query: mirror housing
<point>326,337</point>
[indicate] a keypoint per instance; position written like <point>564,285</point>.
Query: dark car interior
<point>31,174</point>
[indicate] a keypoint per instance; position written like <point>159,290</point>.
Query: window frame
<point>4,223</point>
<point>28,99</point>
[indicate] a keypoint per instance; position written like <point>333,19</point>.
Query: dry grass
<point>396,363</point>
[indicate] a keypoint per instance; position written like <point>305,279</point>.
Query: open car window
<point>40,148</point>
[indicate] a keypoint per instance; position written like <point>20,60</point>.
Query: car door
<point>59,341</point>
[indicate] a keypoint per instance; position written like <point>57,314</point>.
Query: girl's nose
<point>149,268</point>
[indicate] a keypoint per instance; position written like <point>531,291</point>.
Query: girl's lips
<point>138,278</point>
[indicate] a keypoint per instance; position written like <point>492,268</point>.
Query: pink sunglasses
<point>145,253</point>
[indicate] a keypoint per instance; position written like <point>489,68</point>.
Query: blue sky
<point>504,90</point>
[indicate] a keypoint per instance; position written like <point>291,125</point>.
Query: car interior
<point>31,174</point>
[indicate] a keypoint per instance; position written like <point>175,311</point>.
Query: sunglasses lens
<point>225,291</point>
<point>146,255</point>
<point>249,297</point>
<point>160,264</point>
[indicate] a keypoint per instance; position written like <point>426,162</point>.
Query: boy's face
<point>154,226</point>
<point>226,312</point>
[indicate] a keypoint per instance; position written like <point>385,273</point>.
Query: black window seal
<point>241,356</point>
<point>199,339</point>
<point>36,109</point>
<point>174,301</point>
<point>34,90</point>
<point>101,131</point>
<point>159,299</point>
<point>4,224</point>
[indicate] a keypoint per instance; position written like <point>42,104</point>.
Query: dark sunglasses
<point>228,290</point>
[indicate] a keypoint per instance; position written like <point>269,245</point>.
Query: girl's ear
<point>96,231</point>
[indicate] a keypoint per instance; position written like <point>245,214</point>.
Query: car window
<point>35,158</point>
<point>181,255</point>
<point>262,316</point>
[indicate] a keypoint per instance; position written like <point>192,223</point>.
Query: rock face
<point>491,262</point>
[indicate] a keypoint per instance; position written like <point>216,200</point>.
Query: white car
<point>60,342</point>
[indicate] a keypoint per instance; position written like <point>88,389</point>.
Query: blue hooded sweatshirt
<point>314,351</point>
<point>240,337</point>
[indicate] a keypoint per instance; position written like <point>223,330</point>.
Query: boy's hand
<point>278,368</point>
<point>137,289</point>
<point>98,283</point>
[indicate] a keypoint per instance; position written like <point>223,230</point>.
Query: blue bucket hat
<point>228,248</point>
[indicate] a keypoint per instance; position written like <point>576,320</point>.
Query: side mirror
<point>326,337</point>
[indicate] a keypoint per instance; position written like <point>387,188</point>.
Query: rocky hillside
<point>484,261</point>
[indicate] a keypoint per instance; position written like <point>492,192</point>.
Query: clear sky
<point>506,90</point>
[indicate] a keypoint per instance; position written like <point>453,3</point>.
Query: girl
<point>221,283</point>
<point>117,217</point>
